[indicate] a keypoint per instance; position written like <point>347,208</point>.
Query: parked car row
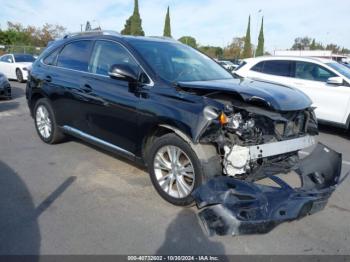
<point>325,81</point>
<point>15,66</point>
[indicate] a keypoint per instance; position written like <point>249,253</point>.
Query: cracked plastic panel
<point>229,206</point>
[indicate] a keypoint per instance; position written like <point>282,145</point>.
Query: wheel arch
<point>33,99</point>
<point>206,153</point>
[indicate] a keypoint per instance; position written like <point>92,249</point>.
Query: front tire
<point>45,122</point>
<point>19,75</point>
<point>174,169</point>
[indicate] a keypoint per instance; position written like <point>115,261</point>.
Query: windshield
<point>345,71</point>
<point>24,58</point>
<point>176,62</point>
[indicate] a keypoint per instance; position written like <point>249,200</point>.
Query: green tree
<point>133,25</point>
<point>127,27</point>
<point>247,50</point>
<point>313,45</point>
<point>261,42</point>
<point>167,27</point>
<point>189,40</point>
<point>235,49</point>
<point>212,51</point>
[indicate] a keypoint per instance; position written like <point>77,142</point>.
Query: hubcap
<point>174,171</point>
<point>43,122</point>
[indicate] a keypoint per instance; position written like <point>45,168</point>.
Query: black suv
<point>168,106</point>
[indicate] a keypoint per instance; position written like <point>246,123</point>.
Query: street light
<point>257,30</point>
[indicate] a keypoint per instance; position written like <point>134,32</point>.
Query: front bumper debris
<point>229,206</point>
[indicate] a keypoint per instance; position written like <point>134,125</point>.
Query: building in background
<point>313,53</point>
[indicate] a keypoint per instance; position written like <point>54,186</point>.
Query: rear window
<point>75,56</point>
<point>278,68</point>
<point>20,58</point>
<point>258,67</point>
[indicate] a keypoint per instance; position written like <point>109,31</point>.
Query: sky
<point>211,22</point>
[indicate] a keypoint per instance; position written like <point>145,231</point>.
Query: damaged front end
<point>231,206</point>
<point>257,144</point>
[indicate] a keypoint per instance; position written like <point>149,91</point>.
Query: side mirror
<point>9,60</point>
<point>338,81</point>
<point>123,72</point>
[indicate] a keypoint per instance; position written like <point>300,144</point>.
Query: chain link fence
<point>33,50</point>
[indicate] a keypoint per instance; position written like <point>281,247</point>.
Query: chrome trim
<point>79,133</point>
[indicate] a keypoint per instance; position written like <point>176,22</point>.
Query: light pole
<point>257,30</point>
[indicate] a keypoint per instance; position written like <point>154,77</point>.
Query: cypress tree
<point>167,27</point>
<point>136,22</point>
<point>133,25</point>
<point>127,27</point>
<point>261,42</point>
<point>247,50</point>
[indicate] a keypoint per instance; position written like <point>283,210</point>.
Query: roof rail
<point>94,32</point>
<point>164,38</point>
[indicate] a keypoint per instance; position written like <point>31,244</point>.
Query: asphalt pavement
<point>73,198</point>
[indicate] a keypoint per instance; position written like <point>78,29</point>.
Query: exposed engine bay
<point>255,144</point>
<point>252,137</point>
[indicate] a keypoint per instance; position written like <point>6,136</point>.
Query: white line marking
<point>306,154</point>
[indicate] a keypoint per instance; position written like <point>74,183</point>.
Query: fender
<point>207,154</point>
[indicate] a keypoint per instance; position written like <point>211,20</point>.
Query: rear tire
<point>19,75</point>
<point>174,169</point>
<point>45,122</point>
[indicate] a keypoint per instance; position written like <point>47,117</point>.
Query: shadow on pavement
<point>17,92</point>
<point>331,130</point>
<point>184,236</point>
<point>20,232</point>
<point>6,106</point>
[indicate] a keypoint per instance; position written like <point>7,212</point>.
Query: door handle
<point>86,88</point>
<point>48,79</point>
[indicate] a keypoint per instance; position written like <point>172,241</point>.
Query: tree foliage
<point>189,40</point>
<point>133,25</point>
<point>261,41</point>
<point>212,51</point>
<point>17,34</point>
<point>167,26</point>
<point>247,50</point>
<point>235,49</point>
<point>307,43</point>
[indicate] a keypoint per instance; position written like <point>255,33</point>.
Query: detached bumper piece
<point>234,207</point>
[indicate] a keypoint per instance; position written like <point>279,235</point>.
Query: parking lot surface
<point>73,198</point>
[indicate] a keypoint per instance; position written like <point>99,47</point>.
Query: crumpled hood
<point>279,97</point>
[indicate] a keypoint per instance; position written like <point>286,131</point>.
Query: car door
<point>331,101</point>
<point>6,65</point>
<point>278,71</point>
<point>65,80</point>
<point>111,104</point>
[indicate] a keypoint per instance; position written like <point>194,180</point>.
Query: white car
<point>15,66</point>
<point>326,82</point>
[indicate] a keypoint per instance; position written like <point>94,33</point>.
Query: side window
<point>106,54</point>
<point>278,68</point>
<point>75,56</point>
<point>312,72</point>
<point>51,59</point>
<point>7,59</point>
<point>258,67</point>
